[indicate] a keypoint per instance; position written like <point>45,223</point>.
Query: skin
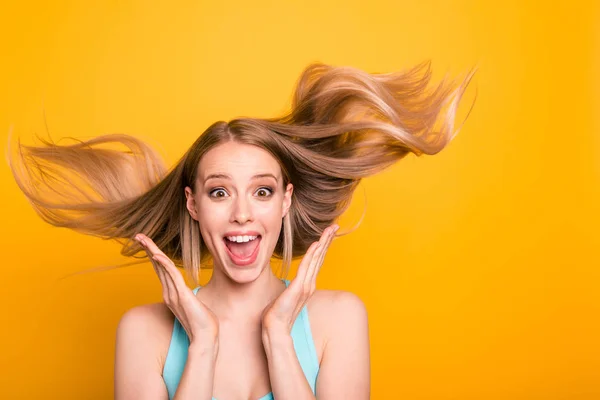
<point>239,324</point>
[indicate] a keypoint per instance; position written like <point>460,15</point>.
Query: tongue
<point>242,250</point>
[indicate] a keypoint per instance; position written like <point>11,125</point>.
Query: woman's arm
<point>345,370</point>
<point>138,370</point>
<point>285,373</point>
<point>198,374</point>
<point>199,322</point>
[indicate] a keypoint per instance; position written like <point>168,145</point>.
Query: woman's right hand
<point>199,322</point>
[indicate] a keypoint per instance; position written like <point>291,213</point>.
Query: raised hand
<point>199,322</point>
<point>283,311</point>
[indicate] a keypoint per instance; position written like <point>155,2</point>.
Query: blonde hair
<point>344,125</point>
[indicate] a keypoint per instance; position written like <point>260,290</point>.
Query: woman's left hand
<point>281,314</point>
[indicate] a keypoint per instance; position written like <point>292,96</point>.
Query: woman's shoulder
<point>150,326</point>
<point>330,309</point>
<point>329,301</point>
<point>149,315</point>
<point>155,319</point>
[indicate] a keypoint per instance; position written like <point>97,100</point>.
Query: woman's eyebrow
<point>225,176</point>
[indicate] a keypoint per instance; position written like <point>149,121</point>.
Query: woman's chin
<point>242,276</point>
<point>246,273</point>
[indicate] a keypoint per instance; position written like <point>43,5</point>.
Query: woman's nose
<point>242,210</point>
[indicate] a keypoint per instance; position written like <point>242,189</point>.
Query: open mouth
<point>242,250</point>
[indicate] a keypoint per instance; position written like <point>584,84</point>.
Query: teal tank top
<point>301,336</point>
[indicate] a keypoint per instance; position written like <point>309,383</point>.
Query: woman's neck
<point>231,300</point>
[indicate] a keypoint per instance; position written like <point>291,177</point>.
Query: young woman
<point>246,191</point>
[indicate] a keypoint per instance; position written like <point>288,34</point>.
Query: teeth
<point>240,239</point>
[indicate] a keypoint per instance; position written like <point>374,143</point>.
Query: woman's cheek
<point>269,215</point>
<point>211,221</point>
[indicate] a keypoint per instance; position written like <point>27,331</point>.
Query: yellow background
<point>478,266</point>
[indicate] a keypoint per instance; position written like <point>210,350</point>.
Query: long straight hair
<point>345,124</point>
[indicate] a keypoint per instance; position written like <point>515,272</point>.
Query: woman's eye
<point>219,191</point>
<point>266,190</point>
<point>261,192</point>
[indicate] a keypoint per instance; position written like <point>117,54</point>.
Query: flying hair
<point>344,125</point>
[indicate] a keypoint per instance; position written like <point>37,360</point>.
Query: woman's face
<point>239,203</point>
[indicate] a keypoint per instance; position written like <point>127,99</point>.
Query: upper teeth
<point>241,238</point>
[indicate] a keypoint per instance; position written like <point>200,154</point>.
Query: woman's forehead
<point>237,160</point>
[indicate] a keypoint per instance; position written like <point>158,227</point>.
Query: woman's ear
<point>287,199</point>
<point>190,203</point>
